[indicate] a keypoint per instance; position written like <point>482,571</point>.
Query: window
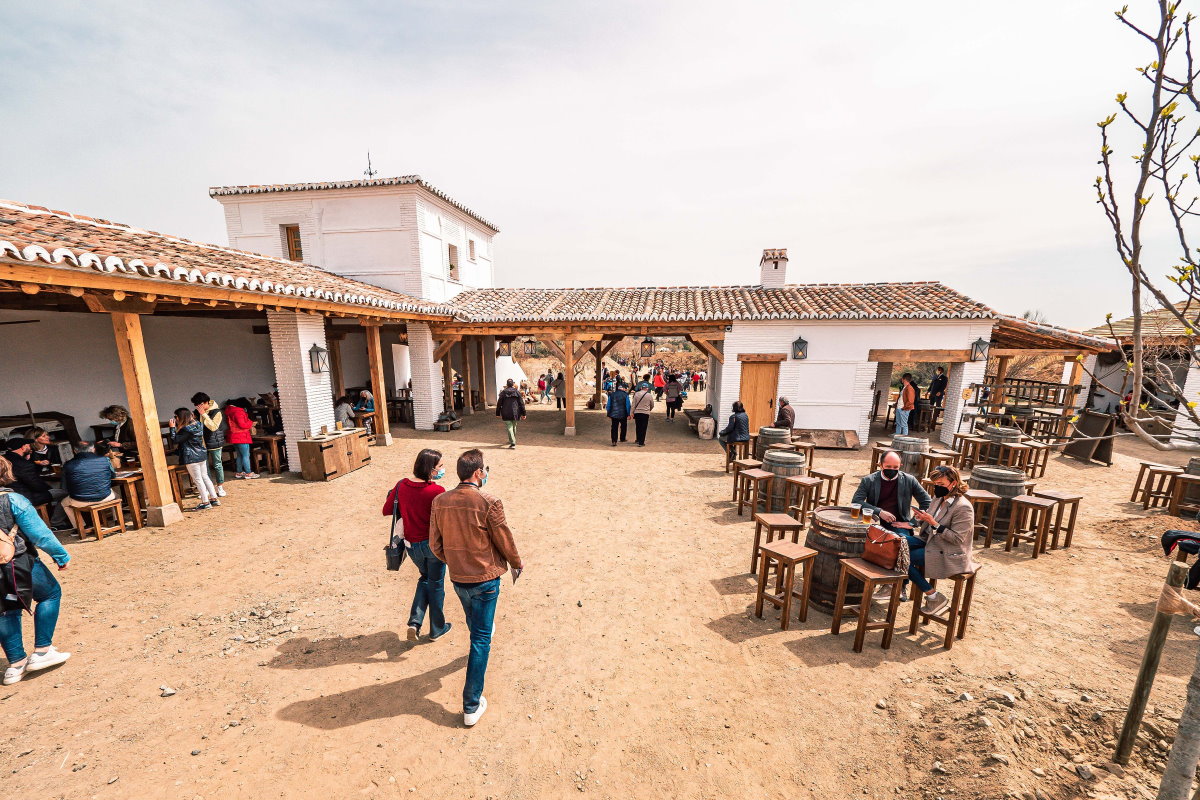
<point>291,242</point>
<point>453,262</point>
<point>471,249</point>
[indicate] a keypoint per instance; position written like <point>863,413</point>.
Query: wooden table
<point>272,441</point>
<point>1179,491</point>
<point>131,483</point>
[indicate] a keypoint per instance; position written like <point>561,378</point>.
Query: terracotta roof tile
<point>1158,323</point>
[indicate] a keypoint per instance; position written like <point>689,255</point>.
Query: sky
<point>614,143</point>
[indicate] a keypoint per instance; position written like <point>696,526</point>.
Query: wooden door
<point>760,379</point>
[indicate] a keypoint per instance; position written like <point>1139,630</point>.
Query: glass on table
<point>868,516</point>
<point>855,510</point>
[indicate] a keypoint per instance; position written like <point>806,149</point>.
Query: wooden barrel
<point>910,449</point>
<point>1002,481</point>
<point>769,436</point>
<point>995,434</point>
<point>785,464</point>
<point>834,536</point>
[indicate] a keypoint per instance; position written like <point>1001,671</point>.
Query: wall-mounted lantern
<point>504,349</point>
<point>800,348</point>
<point>647,348</point>
<point>318,358</point>
<point>979,349</point>
<point>530,347</point>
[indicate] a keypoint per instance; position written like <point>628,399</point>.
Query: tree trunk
<point>1185,752</point>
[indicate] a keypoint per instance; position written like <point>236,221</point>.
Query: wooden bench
<point>785,556</point>
<point>955,618</point>
<point>872,577</point>
<point>694,416</point>
<point>777,526</point>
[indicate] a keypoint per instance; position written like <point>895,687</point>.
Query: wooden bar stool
<point>1030,522</point>
<point>1156,492</point>
<point>971,452</point>
<point>986,506</point>
<point>1065,501</point>
<point>1179,493</point>
<point>44,512</point>
<point>872,578</point>
<point>734,451</point>
<point>955,618</point>
<point>752,445</point>
<point>95,512</point>
<point>1139,485</point>
<point>754,483</point>
<point>1039,458</point>
<point>777,526</point>
<point>801,494</point>
<point>809,450</point>
<point>1013,455</point>
<point>831,492</point>
<point>933,459</point>
<point>788,446</point>
<point>739,465</point>
<point>877,451</point>
<point>785,556</point>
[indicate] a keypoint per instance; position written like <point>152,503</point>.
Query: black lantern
<point>318,358</point>
<point>530,347</point>
<point>647,349</point>
<point>800,348</point>
<point>504,349</point>
<point>979,349</point>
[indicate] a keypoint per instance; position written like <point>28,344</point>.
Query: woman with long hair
<point>188,437</point>
<point>942,546</point>
<point>240,436</point>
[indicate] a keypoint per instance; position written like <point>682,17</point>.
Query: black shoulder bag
<point>395,546</point>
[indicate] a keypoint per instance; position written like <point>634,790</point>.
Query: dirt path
<point>625,663</point>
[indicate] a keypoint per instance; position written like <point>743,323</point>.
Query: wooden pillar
<point>161,508</point>
<point>447,382</point>
<point>383,433</point>
<point>335,364</point>
<point>468,407</point>
<point>483,390</point>
<point>599,372</point>
<point>569,376</point>
<point>998,389</point>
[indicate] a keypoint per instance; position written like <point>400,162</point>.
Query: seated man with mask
<point>890,494</point>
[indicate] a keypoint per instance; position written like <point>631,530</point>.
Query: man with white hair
<point>786,418</point>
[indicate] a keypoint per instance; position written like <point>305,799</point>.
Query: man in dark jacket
<point>510,407</point>
<point>87,477</point>
<point>786,418</point>
<point>31,485</point>
<point>619,409</point>
<point>937,387</point>
<point>889,494</point>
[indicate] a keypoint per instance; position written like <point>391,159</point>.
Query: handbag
<point>886,549</point>
<point>395,551</point>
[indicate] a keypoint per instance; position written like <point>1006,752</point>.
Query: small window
<point>291,239</point>
<point>471,249</point>
<point>453,262</point>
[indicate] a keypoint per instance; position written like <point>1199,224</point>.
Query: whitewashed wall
<point>832,388</point>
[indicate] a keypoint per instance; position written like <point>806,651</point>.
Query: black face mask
<point>891,474</point>
<point>941,491</point>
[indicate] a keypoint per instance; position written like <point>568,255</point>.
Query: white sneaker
<point>49,658</point>
<point>220,491</point>
<point>471,719</point>
<point>14,674</point>
<point>413,633</point>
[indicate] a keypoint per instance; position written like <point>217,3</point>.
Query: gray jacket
<point>868,494</point>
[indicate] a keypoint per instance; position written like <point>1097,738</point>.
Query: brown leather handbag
<point>882,547</point>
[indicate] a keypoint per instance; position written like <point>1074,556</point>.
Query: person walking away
<point>786,418</point>
<point>510,407</point>
<point>695,381</point>
<point>905,403</point>
<point>618,409</point>
<point>659,384</point>
<point>674,392</point>
<point>188,437</point>
<point>738,429</point>
<point>937,387</point>
<point>642,405</point>
<point>26,585</point>
<point>240,428</point>
<point>943,541</point>
<point>413,500</point>
<point>29,483</point>
<point>87,478</point>
<point>560,391</point>
<point>468,532</point>
<point>215,429</point>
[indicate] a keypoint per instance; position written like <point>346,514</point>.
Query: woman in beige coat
<point>947,530</point>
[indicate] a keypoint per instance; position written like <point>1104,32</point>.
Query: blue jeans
<point>902,422</point>
<point>479,606</point>
<point>431,590</point>
<point>242,453</point>
<point>916,552</point>
<point>46,594</point>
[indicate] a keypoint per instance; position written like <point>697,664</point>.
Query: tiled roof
<point>927,300</point>
<point>34,233</point>
<point>403,180</point>
<point>1018,332</point>
<point>1158,323</point>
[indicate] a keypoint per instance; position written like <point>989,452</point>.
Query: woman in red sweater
<point>414,499</point>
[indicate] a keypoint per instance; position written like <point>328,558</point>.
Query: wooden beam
<point>447,385</point>
<point>556,350</point>
<point>607,348</point>
<point>761,357</point>
<point>468,408</point>
<point>569,375</point>
<point>124,304</point>
<point>483,381</point>
<point>585,346</point>
<point>30,288</point>
<point>335,364</point>
<point>383,431</point>
<point>894,356</point>
<point>598,329</point>
<point>708,348</point>
<point>161,508</point>
<point>998,392</point>
<point>444,347</point>
<point>596,395</point>
<point>1017,351</point>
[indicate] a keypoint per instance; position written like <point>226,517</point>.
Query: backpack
<point>8,539</point>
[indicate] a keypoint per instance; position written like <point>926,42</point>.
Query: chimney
<point>773,268</point>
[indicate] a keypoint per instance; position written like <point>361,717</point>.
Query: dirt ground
<point>626,661</point>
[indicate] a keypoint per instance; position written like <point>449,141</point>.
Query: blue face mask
<point>483,482</point>
<point>441,473</point>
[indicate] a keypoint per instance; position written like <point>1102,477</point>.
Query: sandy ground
<point>626,661</point>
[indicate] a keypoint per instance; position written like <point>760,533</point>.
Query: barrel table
<point>910,449</point>
<point>769,436</point>
<point>834,535</point>
<point>784,464</point>
<point>995,435</point>
<point>1006,484</point>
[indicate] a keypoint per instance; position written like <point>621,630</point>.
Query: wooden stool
<point>44,512</point>
<point>734,451</point>
<point>1139,485</point>
<point>955,619</point>
<point>776,526</point>
<point>969,455</point>
<point>1013,455</point>
<point>752,444</point>
<point>785,556</point>
<point>986,505</point>
<point>1065,500</point>
<point>739,465</point>
<point>933,459</point>
<point>1156,492</point>
<point>877,451</point>
<point>808,449</point>
<point>872,578</point>
<point>753,481</point>
<point>801,494</point>
<point>831,492</point>
<point>791,448</point>
<point>1179,494</point>
<point>94,511</point>
<point>1039,458</point>
<point>1030,522</point>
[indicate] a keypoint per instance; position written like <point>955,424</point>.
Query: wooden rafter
<point>708,348</point>
<point>445,346</point>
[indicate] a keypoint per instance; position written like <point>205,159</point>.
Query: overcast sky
<point>614,143</point>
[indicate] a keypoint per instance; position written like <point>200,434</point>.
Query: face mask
<point>441,473</point>
<point>941,491</point>
<point>891,474</point>
<point>483,482</point>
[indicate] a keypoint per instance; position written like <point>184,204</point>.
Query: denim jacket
<point>22,512</point>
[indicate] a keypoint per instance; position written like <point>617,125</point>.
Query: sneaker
<point>936,604</point>
<point>220,491</point>
<point>472,718</point>
<point>413,633</point>
<point>14,674</point>
<point>614,444</point>
<point>433,637</point>
<point>214,502</point>
<point>202,507</point>
<point>49,658</point>
<point>250,475</point>
<point>882,595</point>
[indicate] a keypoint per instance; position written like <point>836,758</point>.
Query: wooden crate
<point>327,457</point>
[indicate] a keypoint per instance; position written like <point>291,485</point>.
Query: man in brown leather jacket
<point>468,532</point>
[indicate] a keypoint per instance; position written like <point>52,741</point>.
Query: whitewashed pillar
<point>961,376</point>
<point>305,397</point>
<point>883,385</point>
<point>426,376</point>
<point>401,368</point>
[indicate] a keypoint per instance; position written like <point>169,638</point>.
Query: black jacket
<point>867,494</point>
<point>786,418</point>
<point>28,480</point>
<point>190,443</point>
<point>88,477</point>
<point>510,405</point>
<point>937,386</point>
<point>738,429</point>
<point>214,440</point>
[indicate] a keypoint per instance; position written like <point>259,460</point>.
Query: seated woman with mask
<point>944,537</point>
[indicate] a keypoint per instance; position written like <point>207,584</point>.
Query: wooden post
<point>569,375</point>
<point>335,364</point>
<point>161,508</point>
<point>599,372</point>
<point>383,433</point>
<point>998,389</point>
<point>1073,387</point>
<point>468,407</point>
<point>1145,679</point>
<point>447,382</point>
<point>483,391</point>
